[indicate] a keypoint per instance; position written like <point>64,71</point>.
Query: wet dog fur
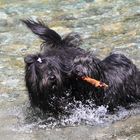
<point>116,70</point>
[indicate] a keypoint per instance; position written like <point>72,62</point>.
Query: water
<point>106,26</point>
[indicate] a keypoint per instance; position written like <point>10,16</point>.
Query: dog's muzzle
<point>79,72</point>
<point>52,82</point>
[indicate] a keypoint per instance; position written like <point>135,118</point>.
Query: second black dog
<point>116,70</point>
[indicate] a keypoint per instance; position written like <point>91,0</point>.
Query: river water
<point>106,26</point>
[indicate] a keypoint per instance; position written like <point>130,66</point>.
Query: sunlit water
<point>106,26</point>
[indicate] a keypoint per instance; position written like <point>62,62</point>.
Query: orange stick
<point>95,83</point>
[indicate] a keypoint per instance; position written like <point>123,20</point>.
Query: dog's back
<point>123,78</point>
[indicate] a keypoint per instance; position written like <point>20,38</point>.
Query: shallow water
<point>105,25</point>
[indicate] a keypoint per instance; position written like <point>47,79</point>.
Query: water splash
<point>82,114</point>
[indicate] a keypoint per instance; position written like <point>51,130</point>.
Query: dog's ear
<point>28,59</point>
<point>95,67</point>
<point>72,39</point>
<point>43,31</point>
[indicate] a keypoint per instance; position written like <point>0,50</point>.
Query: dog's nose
<point>78,69</point>
<point>79,72</point>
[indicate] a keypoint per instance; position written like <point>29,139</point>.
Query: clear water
<point>106,26</point>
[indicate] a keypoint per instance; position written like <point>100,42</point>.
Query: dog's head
<point>44,73</point>
<point>85,65</point>
<point>46,82</point>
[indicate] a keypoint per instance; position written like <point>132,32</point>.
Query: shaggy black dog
<point>116,70</point>
<point>46,73</point>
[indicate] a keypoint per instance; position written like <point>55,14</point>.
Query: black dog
<point>46,74</point>
<point>116,70</point>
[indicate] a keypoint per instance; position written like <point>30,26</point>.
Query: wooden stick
<point>95,83</point>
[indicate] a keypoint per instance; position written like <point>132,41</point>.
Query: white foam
<point>81,115</point>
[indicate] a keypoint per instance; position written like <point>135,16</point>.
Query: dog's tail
<point>44,32</point>
<point>51,37</point>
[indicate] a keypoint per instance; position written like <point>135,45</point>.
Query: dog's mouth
<point>54,86</point>
<point>78,73</point>
<point>79,76</point>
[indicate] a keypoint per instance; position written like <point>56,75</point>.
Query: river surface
<point>106,26</point>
